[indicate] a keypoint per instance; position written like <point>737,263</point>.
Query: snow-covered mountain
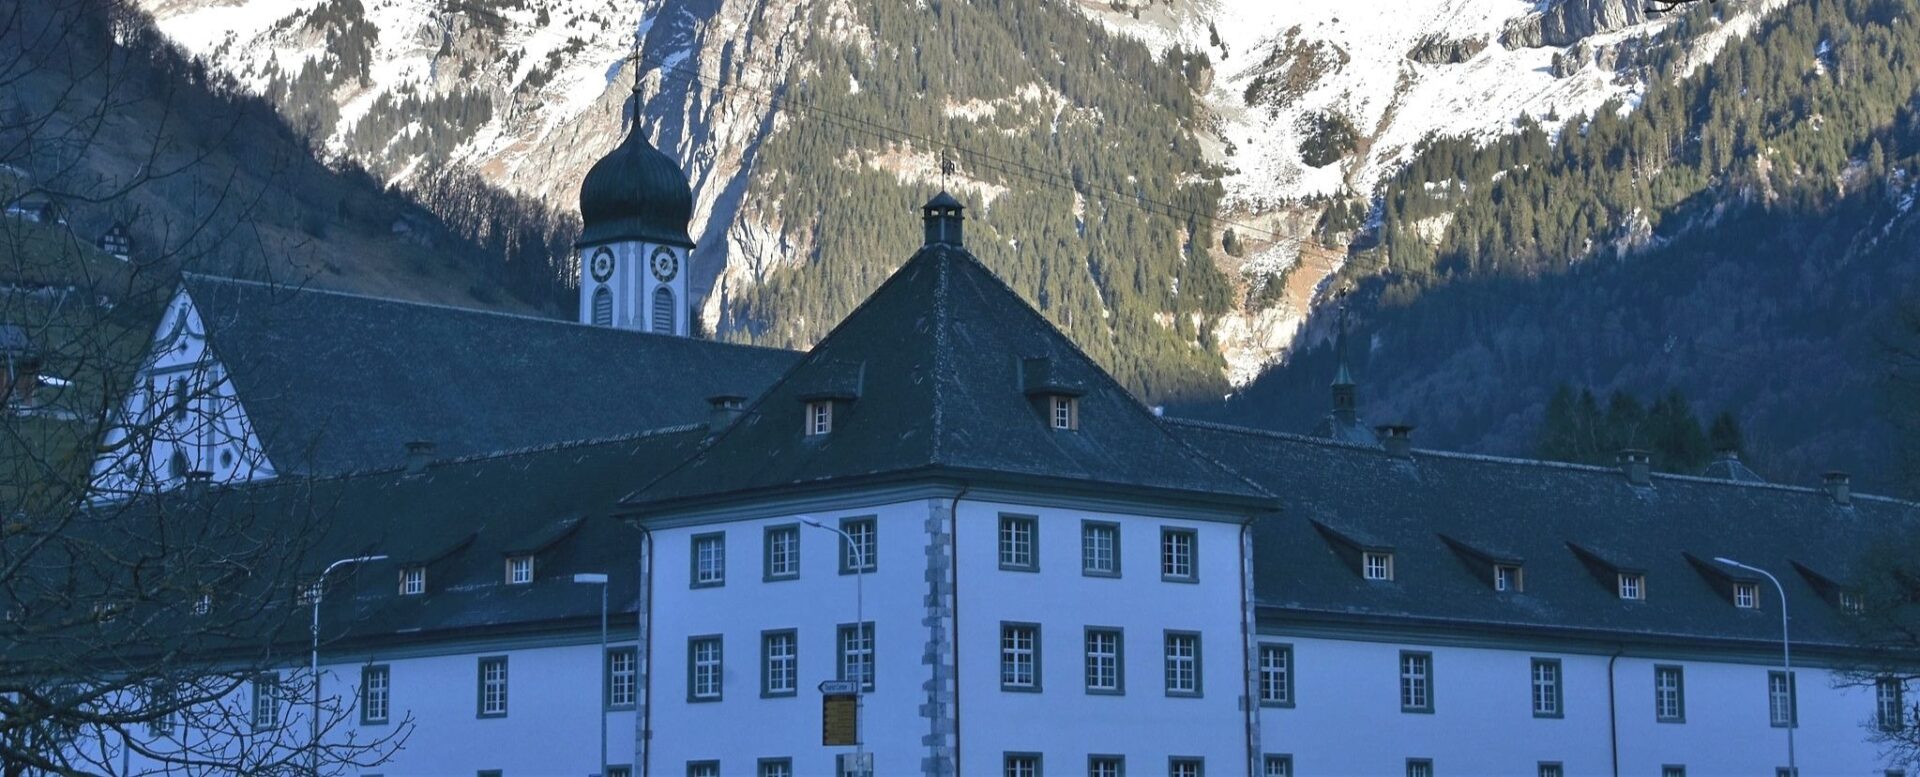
<point>1308,102</point>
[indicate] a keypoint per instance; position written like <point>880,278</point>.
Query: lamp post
<point>319,590</point>
<point>600,579</point>
<point>859,555</point>
<point>1786,658</point>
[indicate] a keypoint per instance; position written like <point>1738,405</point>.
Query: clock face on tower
<point>665,264</point>
<point>601,265</point>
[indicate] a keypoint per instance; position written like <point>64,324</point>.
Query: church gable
<point>183,416</point>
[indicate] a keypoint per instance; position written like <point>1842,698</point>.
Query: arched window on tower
<point>663,311</point>
<point>602,307</point>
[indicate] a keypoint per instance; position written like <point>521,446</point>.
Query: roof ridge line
<point>1104,375</point>
<point>461,309</point>
<point>1496,459</point>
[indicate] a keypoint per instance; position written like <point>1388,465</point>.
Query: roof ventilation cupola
<point>943,215</point>
<point>1839,487</point>
<point>1638,466</point>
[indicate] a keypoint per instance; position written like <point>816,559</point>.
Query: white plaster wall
<point>742,727</point>
<point>1347,718</point>
<point>552,726</point>
<point>632,286</point>
<point>1063,722</point>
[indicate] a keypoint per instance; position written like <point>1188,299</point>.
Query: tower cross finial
<point>634,57</point>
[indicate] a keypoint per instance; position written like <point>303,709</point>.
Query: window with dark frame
<point>1100,548</point>
<point>376,694</point>
<point>857,653</point>
<point>1178,555</point>
<point>1669,694</point>
<point>1419,767</point>
<point>1890,701</point>
<point>1019,657</point>
<point>1782,707</point>
<point>1106,766</point>
<point>622,681</point>
<point>1021,764</point>
<point>266,701</point>
<point>782,552</point>
<point>1546,688</point>
<point>1276,765</point>
<point>493,687</point>
<point>1416,681</point>
<point>1104,661</point>
<point>779,663</point>
<point>864,533</point>
<point>703,668</point>
<point>1019,543</point>
<point>1276,674</point>
<point>1186,766</point>
<point>709,560</point>
<point>519,570</point>
<point>1182,663</point>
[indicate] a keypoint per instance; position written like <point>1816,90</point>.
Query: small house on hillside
<point>37,208</point>
<point>117,242</point>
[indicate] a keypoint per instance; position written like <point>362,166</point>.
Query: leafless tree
<point>145,627</point>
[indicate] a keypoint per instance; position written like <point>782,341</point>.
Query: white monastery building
<point>947,501</point>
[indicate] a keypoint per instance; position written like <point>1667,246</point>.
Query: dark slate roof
<point>929,371</point>
<point>463,518</point>
<point>635,193</point>
<point>1567,523</point>
<point>336,382</point>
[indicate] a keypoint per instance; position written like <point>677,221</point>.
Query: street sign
<point>839,687</point>
<point>839,720</point>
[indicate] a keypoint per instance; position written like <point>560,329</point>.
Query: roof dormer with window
<point>1368,557</point>
<point>1055,398</point>
<point>1504,572</point>
<point>1625,581</point>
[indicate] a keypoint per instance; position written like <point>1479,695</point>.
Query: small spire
<point>1345,401</point>
<point>635,94</point>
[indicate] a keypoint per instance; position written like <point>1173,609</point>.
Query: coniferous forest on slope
<point>1091,180</point>
<point>1744,235</point>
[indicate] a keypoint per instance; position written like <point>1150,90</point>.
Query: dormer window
<point>819,417</point>
<point>1632,586</point>
<point>413,581</point>
<point>1851,602</point>
<point>519,570</point>
<point>1065,412</point>
<point>1376,565</point>
<point>1507,577</point>
<point>1746,596</point>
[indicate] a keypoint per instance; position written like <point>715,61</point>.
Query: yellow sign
<point>839,718</point>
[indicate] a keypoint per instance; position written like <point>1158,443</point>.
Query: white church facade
<point>945,499</point>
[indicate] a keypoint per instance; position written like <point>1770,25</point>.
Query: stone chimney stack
<point>724,410</point>
<point>1397,439</point>
<point>419,454</point>
<point>1638,466</point>
<point>1839,487</point>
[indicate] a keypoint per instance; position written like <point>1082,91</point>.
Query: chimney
<point>196,484</point>
<point>1839,487</point>
<point>943,217</point>
<point>1638,465</point>
<point>419,453</point>
<point>724,410</point>
<point>1397,439</point>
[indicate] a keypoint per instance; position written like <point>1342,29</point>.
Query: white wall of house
<point>1346,716</point>
<point>1061,721</point>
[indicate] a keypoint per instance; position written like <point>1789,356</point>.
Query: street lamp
<point>319,589</point>
<point>1786,658</point>
<point>600,579</point>
<point>859,555</point>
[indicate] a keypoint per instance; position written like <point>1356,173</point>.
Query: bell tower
<point>635,205</point>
